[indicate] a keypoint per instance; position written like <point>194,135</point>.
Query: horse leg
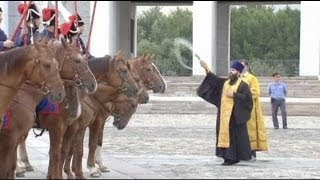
<point>67,162</point>
<point>7,145</point>
<point>54,169</point>
<point>95,128</point>
<point>98,157</point>
<point>12,165</point>
<point>78,154</point>
<point>24,154</point>
<point>67,149</point>
<point>20,169</point>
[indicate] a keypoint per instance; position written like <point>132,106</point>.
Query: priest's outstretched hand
<point>205,66</point>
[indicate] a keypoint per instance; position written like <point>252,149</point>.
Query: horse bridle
<point>122,88</point>
<point>76,79</point>
<point>147,83</point>
<point>43,87</point>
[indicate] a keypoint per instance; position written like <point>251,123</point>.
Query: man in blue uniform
<point>48,20</point>
<point>80,27</point>
<point>5,43</point>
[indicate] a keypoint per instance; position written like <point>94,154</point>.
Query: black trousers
<point>276,103</point>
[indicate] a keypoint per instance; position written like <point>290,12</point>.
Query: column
<point>204,35</point>
<point>309,38</point>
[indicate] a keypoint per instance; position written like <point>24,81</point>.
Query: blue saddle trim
<point>48,107</point>
<point>7,118</point>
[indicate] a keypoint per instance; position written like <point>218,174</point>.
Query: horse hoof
<point>20,174</point>
<point>70,176</point>
<point>104,169</point>
<point>29,168</point>
<point>95,174</point>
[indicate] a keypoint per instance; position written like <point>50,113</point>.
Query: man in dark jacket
<point>5,43</point>
<point>233,99</point>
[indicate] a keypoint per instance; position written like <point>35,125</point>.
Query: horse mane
<point>100,65</point>
<point>13,59</point>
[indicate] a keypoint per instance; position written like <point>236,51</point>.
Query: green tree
<point>268,38</point>
<point>157,34</point>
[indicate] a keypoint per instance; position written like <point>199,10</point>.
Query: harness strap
<point>40,134</point>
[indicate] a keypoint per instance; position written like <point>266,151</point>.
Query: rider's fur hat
<point>49,15</point>
<point>73,18</point>
<point>68,29</point>
<point>33,11</point>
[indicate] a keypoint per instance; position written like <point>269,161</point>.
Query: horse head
<point>149,73</point>
<point>142,93</point>
<point>123,109</point>
<point>43,70</point>
<point>119,76</point>
<point>74,66</point>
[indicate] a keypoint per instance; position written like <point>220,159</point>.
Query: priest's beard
<point>233,78</point>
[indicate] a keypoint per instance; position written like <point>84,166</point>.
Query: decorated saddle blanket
<point>46,106</point>
<point>7,119</point>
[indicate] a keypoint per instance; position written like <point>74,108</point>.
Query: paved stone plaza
<point>181,146</point>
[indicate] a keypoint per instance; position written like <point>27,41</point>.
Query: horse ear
<point>85,57</point>
<point>50,43</point>
<point>64,42</point>
<point>36,43</point>
<point>152,59</point>
<point>148,56</point>
<point>128,66</point>
<point>118,53</point>
<point>45,40</point>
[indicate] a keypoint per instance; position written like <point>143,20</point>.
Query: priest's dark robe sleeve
<point>211,88</point>
<point>243,103</point>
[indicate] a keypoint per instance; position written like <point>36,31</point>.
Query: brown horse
<point>76,73</point>
<point>151,78</point>
<point>73,68</point>
<point>89,113</point>
<point>34,64</point>
<point>43,70</point>
<point>114,71</point>
<point>149,73</point>
<point>97,109</point>
<point>122,106</point>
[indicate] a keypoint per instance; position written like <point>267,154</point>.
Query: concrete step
<point>294,90</point>
<point>288,80</point>
<point>302,86</point>
<point>180,97</point>
<point>195,105</point>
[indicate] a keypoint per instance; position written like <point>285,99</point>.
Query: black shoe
<point>228,162</point>
<point>235,161</point>
<point>285,127</point>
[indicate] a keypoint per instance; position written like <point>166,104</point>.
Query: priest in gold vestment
<point>256,125</point>
<point>233,99</point>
